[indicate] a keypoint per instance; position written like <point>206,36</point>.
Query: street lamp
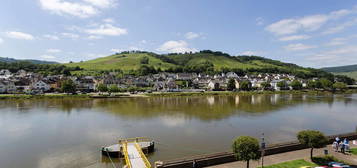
<point>262,146</point>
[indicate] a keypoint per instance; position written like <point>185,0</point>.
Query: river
<point>41,133</point>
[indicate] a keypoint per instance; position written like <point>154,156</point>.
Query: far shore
<point>167,94</point>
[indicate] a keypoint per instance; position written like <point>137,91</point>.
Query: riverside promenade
<point>293,155</point>
<point>275,153</point>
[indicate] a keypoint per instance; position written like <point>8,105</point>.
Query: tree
<point>144,60</point>
<point>325,83</point>
<point>102,88</point>
<point>113,89</point>
<point>296,85</point>
<point>245,85</point>
<point>68,86</point>
<point>231,84</point>
<point>265,85</point>
<point>281,84</point>
<point>345,79</point>
<point>311,84</point>
<point>246,148</point>
<point>339,86</point>
<point>312,139</point>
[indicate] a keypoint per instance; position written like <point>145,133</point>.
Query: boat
<point>115,151</point>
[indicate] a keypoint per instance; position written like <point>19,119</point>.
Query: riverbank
<point>244,93</point>
<point>169,94</point>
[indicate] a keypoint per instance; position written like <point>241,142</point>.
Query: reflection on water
<point>69,132</point>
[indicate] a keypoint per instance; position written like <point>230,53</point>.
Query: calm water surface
<point>69,132</point>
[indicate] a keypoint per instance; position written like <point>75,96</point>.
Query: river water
<point>70,132</point>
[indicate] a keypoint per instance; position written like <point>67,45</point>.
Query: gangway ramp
<point>134,156</point>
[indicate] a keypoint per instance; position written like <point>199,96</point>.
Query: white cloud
<point>131,48</point>
<point>340,13</point>
<point>340,27</point>
<point>337,41</point>
<point>307,23</point>
<point>108,20</point>
<point>259,21</point>
<point>115,50</point>
<point>290,26</point>
<point>19,35</point>
<point>176,47</point>
<point>191,35</point>
<point>107,30</point>
<point>298,46</point>
<point>249,53</point>
<point>51,37</point>
<point>70,35</point>
<point>53,50</point>
<point>334,57</point>
<point>294,37</point>
<point>61,7</point>
<point>1,40</point>
<point>47,56</point>
<point>92,37</point>
<point>101,3</point>
<point>92,55</point>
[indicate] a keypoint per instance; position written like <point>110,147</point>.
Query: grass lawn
<point>292,164</point>
<point>354,151</point>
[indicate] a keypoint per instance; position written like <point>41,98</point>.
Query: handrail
<point>137,139</point>
<point>125,153</point>
<point>147,163</point>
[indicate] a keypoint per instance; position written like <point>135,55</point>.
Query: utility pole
<point>263,149</point>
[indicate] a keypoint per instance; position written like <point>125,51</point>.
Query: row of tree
<point>45,69</point>
<point>247,148</point>
<point>295,85</point>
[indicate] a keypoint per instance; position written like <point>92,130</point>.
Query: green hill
<point>348,70</point>
<point>192,62</point>
<point>123,61</point>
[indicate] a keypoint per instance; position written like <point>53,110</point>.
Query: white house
<point>41,85</point>
<point>4,73</point>
<point>231,75</point>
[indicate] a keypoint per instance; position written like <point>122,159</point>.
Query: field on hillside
<point>122,61</point>
<point>133,60</point>
<point>219,62</point>
<point>349,74</point>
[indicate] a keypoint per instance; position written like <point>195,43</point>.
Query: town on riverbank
<point>30,83</point>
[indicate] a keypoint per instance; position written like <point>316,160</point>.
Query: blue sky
<point>309,33</point>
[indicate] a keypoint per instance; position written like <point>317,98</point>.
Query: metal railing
<point>146,161</point>
<point>125,153</point>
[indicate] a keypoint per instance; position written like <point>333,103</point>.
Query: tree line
<point>44,69</point>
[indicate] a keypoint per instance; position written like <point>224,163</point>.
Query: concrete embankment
<point>226,157</point>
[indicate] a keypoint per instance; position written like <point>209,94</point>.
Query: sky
<point>316,33</point>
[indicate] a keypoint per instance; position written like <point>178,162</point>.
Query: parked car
<point>338,165</point>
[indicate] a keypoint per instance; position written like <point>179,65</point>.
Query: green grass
<point>317,161</point>
<point>354,151</point>
<point>292,164</point>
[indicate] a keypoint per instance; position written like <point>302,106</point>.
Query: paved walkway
<point>289,156</point>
